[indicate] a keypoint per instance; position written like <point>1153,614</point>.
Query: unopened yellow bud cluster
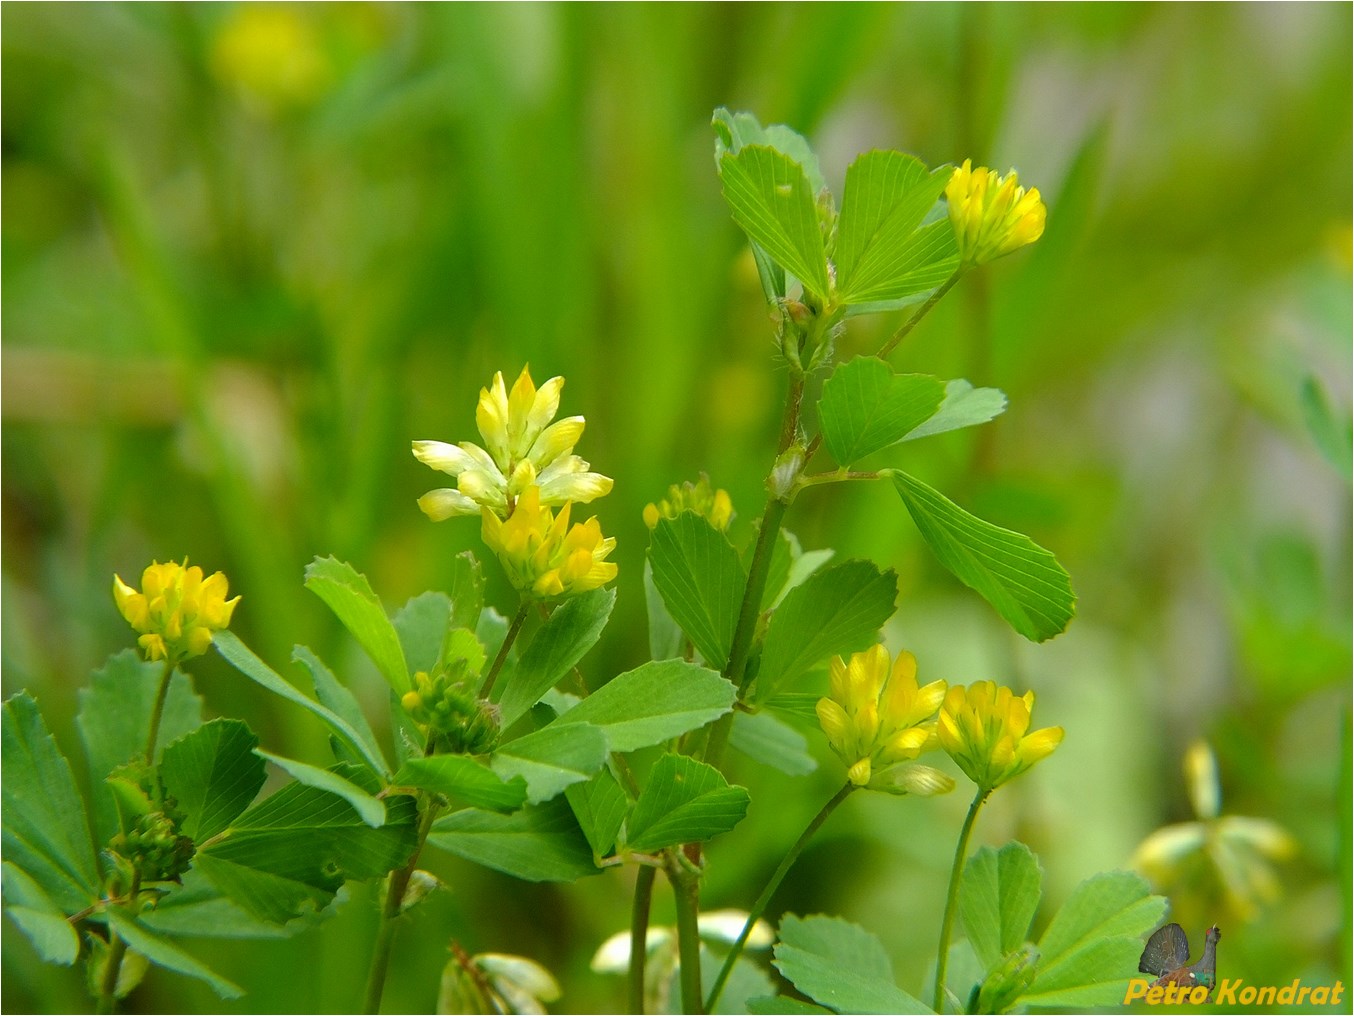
<point>526,467</point>
<point>983,728</point>
<point>176,611</point>
<point>445,704</point>
<point>877,717</point>
<point>700,497</point>
<point>992,215</point>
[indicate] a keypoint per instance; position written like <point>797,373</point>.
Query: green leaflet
<point>164,953</point>
<point>600,806</point>
<point>463,779</point>
<point>540,843</point>
<point>1022,581</point>
<point>840,965</point>
<point>684,801</point>
<point>997,900</point>
<point>964,406</point>
<point>701,580</point>
<point>866,407</point>
<point>213,773</point>
<point>370,808</point>
<point>552,758</point>
<point>348,594</point>
<point>39,918</point>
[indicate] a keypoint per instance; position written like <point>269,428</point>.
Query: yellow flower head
<point>176,611</point>
<point>983,728</point>
<point>699,497</point>
<point>524,449</point>
<point>876,716</point>
<point>543,556</point>
<point>992,215</point>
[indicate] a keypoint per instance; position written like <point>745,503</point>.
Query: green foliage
<point>771,741</point>
<point>997,900</point>
<point>1022,580</point>
<point>866,407</point>
<point>600,806</point>
<point>40,919</point>
<point>212,774</point>
<point>701,580</point>
<point>243,659</point>
<point>371,809</point>
<point>422,625</point>
<point>840,965</point>
<point>465,780</point>
<point>964,406</point>
<point>882,255</point>
<point>571,630</point>
<point>654,702</point>
<point>540,843</point>
<point>164,953</point>
<point>684,801</point>
<point>348,594</point>
<point>114,719</point>
<point>552,758</point>
<point>839,609</point>
<point>358,743</point>
<point>46,834</point>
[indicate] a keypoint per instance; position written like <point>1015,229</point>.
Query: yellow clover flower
<point>992,215</point>
<point>983,728</point>
<point>875,716</point>
<point>542,555</point>
<point>176,611</point>
<point>699,497</point>
<point>524,449</point>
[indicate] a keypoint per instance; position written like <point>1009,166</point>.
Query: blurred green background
<point>251,251</point>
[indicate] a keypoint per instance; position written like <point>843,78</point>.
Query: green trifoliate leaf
<point>684,801</point>
<point>164,953</point>
<point>997,899</point>
<point>964,406</point>
<point>242,658</point>
<point>865,407</point>
<point>552,758</point>
<point>701,580</point>
<point>114,719</point>
<point>600,807</point>
<point>840,965</point>
<point>39,918</point>
<point>370,807</point>
<point>735,131</point>
<point>665,635</point>
<point>465,780</point>
<point>654,702</point>
<point>564,638</point>
<point>773,201</point>
<point>213,774</point>
<point>296,848</point>
<point>421,625</point>
<point>883,251</point>
<point>46,832</point>
<point>838,610</point>
<point>348,594</point>
<point>540,843</point>
<point>1022,580</point>
<point>1091,947</point>
<point>343,704</point>
<point>772,742</point>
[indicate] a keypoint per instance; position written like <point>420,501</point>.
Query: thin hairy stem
<point>764,900</point>
<point>157,711</point>
<point>952,898</point>
<point>385,934</point>
<point>686,894</point>
<point>922,311</point>
<point>639,935</point>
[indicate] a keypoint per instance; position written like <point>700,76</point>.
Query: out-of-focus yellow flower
<point>271,54</point>
<point>524,449</point>
<point>176,611</point>
<point>1231,856</point>
<point>876,717</point>
<point>983,728</point>
<point>543,556</point>
<point>992,215</point>
<point>700,497</point>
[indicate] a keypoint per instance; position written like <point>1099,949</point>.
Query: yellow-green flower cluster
<point>176,611</point>
<point>992,215</point>
<point>877,717</point>
<point>983,728</point>
<point>522,448</point>
<point>444,703</point>
<point>543,556</point>
<point>700,497</point>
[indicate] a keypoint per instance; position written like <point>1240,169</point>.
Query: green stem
<point>508,640</point>
<point>922,311</point>
<point>952,898</point>
<point>158,710</point>
<point>117,949</point>
<point>639,935</point>
<point>385,934</point>
<point>686,892</point>
<point>764,900</point>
